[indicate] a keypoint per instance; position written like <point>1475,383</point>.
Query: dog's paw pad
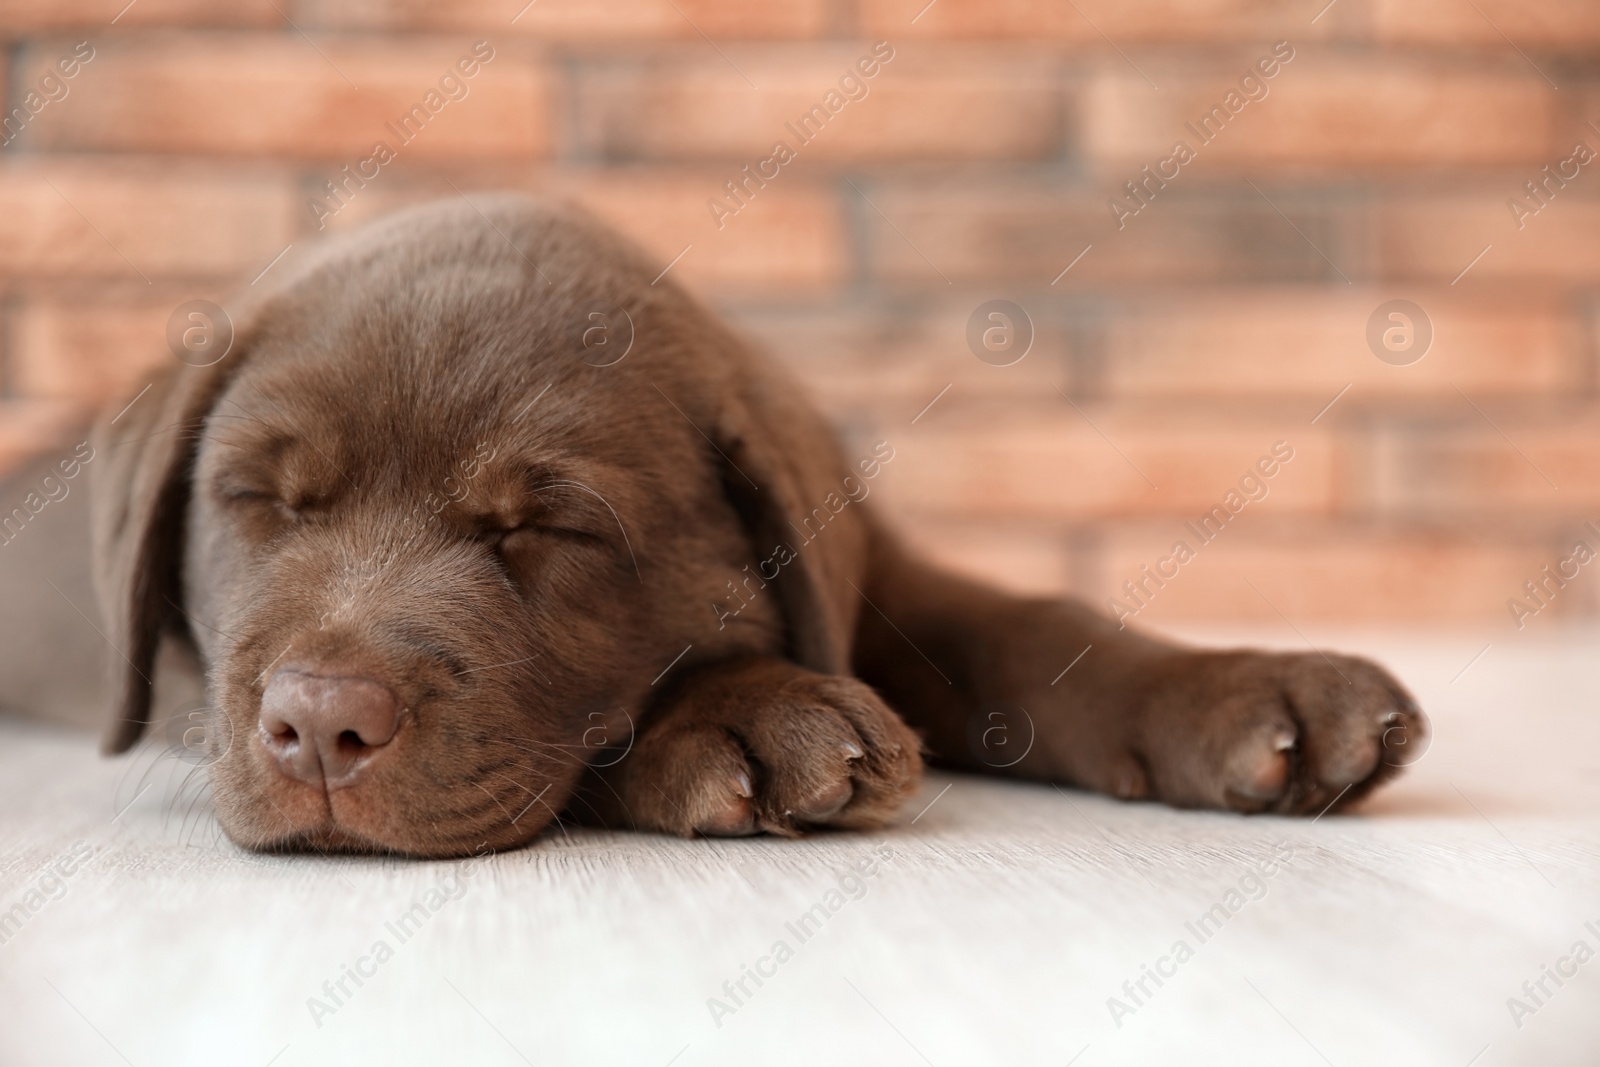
<point>1277,732</point>
<point>826,803</point>
<point>1262,766</point>
<point>735,815</point>
<point>819,751</point>
<point>736,818</point>
<point>1128,781</point>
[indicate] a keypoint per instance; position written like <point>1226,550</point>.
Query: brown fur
<point>553,632</point>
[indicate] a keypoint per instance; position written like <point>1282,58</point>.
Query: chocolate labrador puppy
<point>453,566</point>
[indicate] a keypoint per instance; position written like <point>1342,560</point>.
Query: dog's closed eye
<point>274,477</point>
<point>511,538</point>
<point>554,514</point>
<point>247,494</point>
<point>257,501</point>
<point>538,529</point>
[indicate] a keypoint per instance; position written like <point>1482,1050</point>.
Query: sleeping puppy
<point>453,568</point>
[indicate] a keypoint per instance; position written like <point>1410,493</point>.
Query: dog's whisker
<point>175,606</point>
<point>514,782</point>
<point>183,788</point>
<point>579,798</point>
<point>508,663</point>
<point>575,484</point>
<point>198,807</point>
<point>538,761</point>
<point>546,759</point>
<point>554,815</point>
<point>543,744</point>
<point>492,797</point>
<point>144,763</point>
<point>547,748</point>
<point>172,798</point>
<point>604,779</point>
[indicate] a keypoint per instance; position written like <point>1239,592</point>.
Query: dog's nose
<point>326,728</point>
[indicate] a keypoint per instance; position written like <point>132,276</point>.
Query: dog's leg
<point>760,744</point>
<point>985,677</point>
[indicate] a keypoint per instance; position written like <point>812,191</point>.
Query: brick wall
<point>1219,313</point>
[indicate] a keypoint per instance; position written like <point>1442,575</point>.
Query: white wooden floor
<point>995,931</point>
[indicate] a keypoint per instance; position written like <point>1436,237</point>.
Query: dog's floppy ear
<point>779,469</point>
<point>139,492</point>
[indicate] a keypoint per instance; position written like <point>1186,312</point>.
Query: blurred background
<point>1170,342</point>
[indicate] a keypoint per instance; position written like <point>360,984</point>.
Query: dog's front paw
<point>1256,732</point>
<point>765,746</point>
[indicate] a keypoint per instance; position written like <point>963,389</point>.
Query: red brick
<point>1438,237</point>
<point>167,221</point>
<point>1311,574</point>
<point>276,96</point>
<point>91,348</point>
<point>933,104</point>
<point>791,240</point>
<point>1328,110</point>
<point>1051,462</point>
<point>578,20</point>
<point>29,426</point>
<point>1187,22</point>
<point>1026,232</point>
<point>1311,343</point>
<point>1532,462</point>
<point>1550,25</point>
<point>891,367</point>
<point>19,17</point>
<point>1558,25</point>
<point>1024,558</point>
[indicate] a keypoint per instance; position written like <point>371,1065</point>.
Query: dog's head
<point>435,542</point>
